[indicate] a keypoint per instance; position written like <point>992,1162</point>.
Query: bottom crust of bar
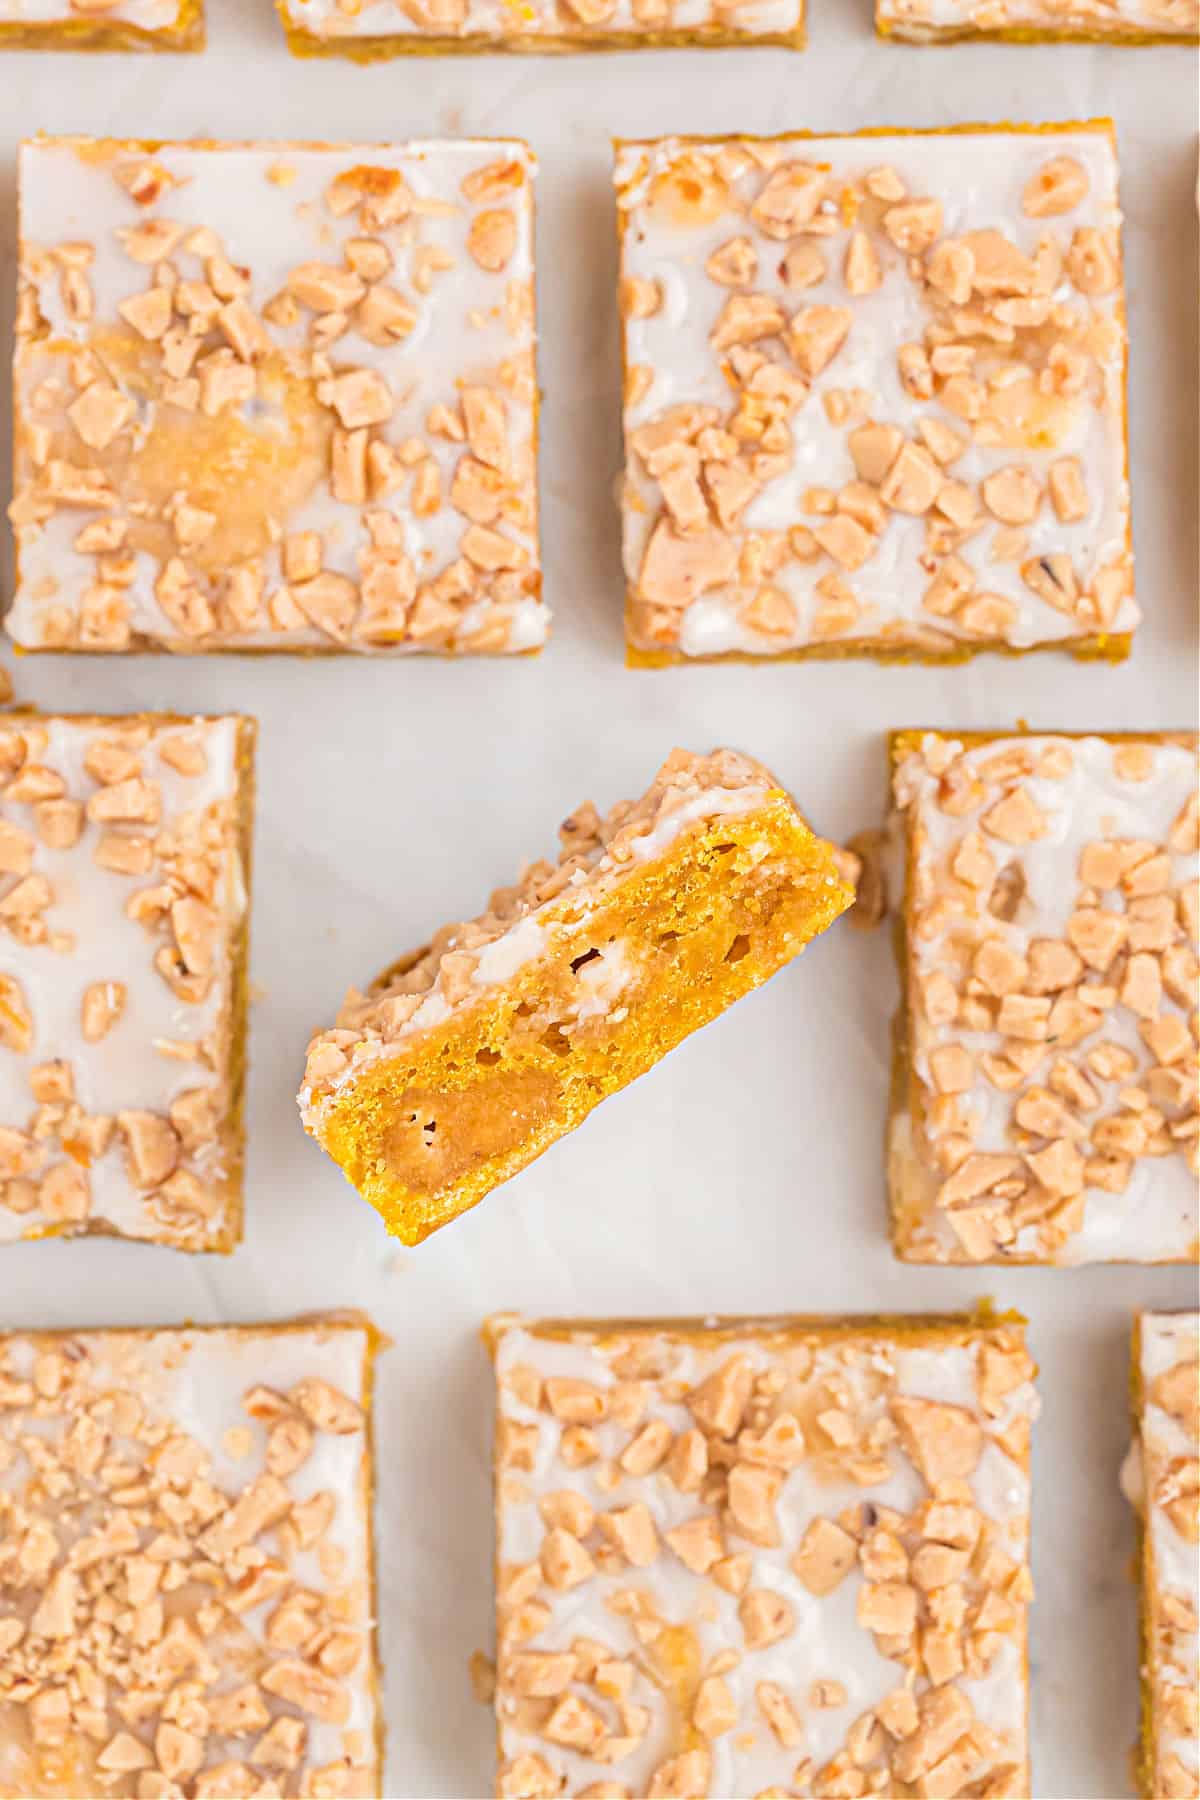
<point>425,1136</point>
<point>714,1328</point>
<point>926,36</point>
<point>530,43</point>
<point>188,33</point>
<point>1106,647</point>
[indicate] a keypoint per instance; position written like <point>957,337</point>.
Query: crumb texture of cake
<point>467,1059</point>
<point>381,28</point>
<point>762,1557</point>
<point>276,397</point>
<point>874,395</point>
<point>102,24</point>
<point>186,1585</point>
<point>124,913</point>
<point>1167,1448</point>
<point>1045,1096</point>
<point>1091,21</point>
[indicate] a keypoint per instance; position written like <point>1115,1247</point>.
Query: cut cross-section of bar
<point>1161,1476</point>
<point>1044,1103</point>
<point>762,1556</point>
<point>468,1058</point>
<point>187,1590</point>
<point>124,921</point>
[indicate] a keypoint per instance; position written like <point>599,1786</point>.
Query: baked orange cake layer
<point>762,1557</point>
<point>874,396</point>
<point>1161,1479</point>
<point>467,1060</point>
<point>102,25</point>
<point>1045,1086</point>
<point>125,848</point>
<point>187,1589</point>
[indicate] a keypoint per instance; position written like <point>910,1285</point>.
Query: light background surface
<point>745,1174</point>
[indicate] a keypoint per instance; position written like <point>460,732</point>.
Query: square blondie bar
<point>470,1057</point>
<point>101,24</point>
<point>762,1556</point>
<point>186,1581</point>
<point>276,397</point>
<point>1040,21</point>
<point>874,395</point>
<point>1166,1371</point>
<point>1044,1096</point>
<point>124,923</point>
<point>378,29</point>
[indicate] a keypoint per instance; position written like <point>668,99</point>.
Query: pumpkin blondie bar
<point>101,24</point>
<point>1162,1476</point>
<point>470,1057</point>
<point>874,395</point>
<point>762,1556</point>
<point>124,917</point>
<point>1040,21</point>
<point>276,397</point>
<point>186,1582</point>
<point>380,29</point>
<point>1044,1095</point>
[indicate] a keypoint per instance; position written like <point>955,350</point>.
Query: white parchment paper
<point>745,1174</point>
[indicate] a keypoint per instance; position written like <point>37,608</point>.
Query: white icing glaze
<point>827,1644</point>
<point>266,204</point>
<point>194,1381</point>
<point>1157,1216</point>
<point>1057,17</point>
<point>146,15</point>
<point>333,22</point>
<point>1173,1564</point>
<point>979,178</point>
<point>123,1070</point>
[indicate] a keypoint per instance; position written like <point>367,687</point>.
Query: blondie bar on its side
<point>101,24</point>
<point>378,29</point>
<point>1166,1369</point>
<point>124,920</point>
<point>187,1590</point>
<point>1044,1095</point>
<point>1040,21</point>
<point>762,1556</point>
<point>276,397</point>
<point>874,395</point>
<point>470,1057</point>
